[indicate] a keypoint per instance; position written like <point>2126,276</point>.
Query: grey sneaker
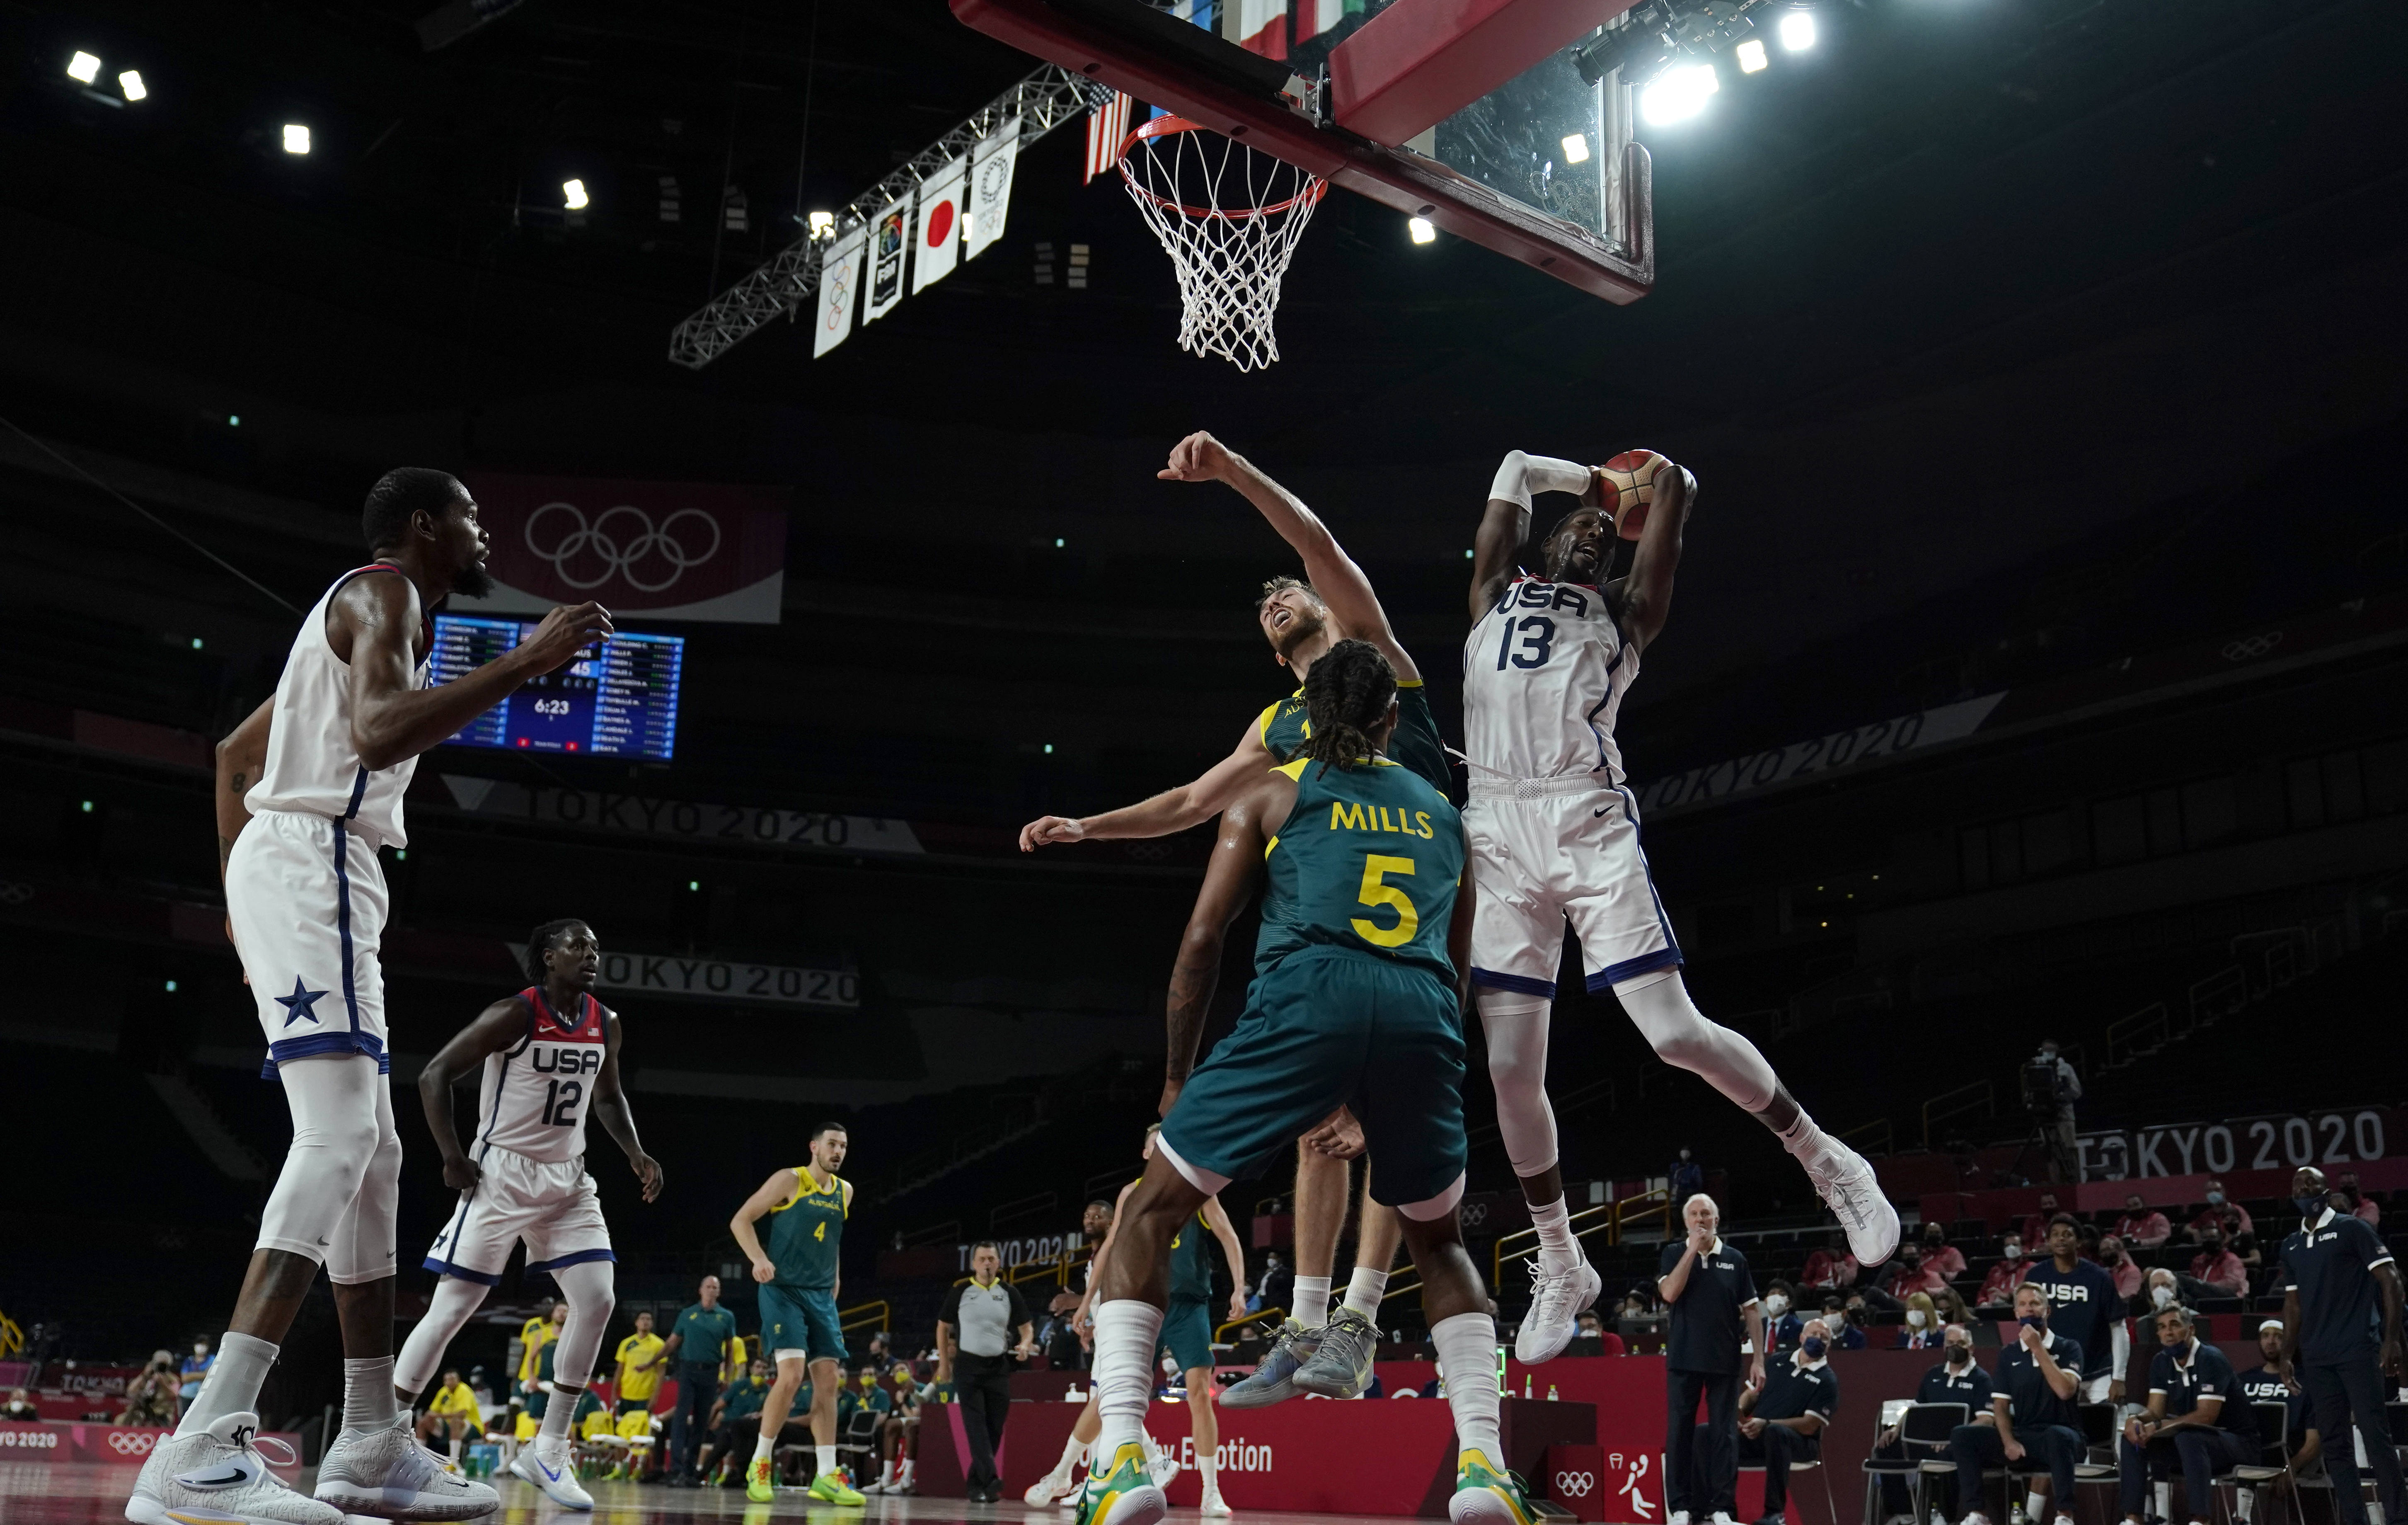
<point>218,1475</point>
<point>386,1473</point>
<point>1340,1366</point>
<point>1273,1379</point>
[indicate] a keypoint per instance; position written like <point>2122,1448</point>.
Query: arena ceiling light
<point>572,195</point>
<point>1678,93</point>
<point>1422,229</point>
<point>1798,31</point>
<point>83,68</point>
<point>297,137</point>
<point>131,83</point>
<point>1751,56</point>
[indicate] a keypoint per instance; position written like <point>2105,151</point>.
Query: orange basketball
<point>1627,487</point>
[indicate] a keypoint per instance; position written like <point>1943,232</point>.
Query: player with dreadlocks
<point>550,1055</point>
<point>1362,1010</point>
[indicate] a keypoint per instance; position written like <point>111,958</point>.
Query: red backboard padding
<point>1419,62</point>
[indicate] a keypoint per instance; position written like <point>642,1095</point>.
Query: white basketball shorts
<point>306,901</point>
<point>1544,851</point>
<point>553,1205</point>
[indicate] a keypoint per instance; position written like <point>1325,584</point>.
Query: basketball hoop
<point>1229,218</point>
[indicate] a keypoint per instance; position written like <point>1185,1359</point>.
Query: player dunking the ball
<point>807,1206</point>
<point>1365,1012</point>
<point>1555,835</point>
<point>551,1056</point>
<point>307,788</point>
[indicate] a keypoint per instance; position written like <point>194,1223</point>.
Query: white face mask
<point>1836,1320</point>
<point>1776,1304</point>
<point>2013,1247</point>
<point>2162,1295</point>
<point>1914,1317</point>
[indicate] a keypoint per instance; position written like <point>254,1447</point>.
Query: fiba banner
<point>990,187</point>
<point>940,227</point>
<point>889,231</point>
<point>648,550</point>
<point>839,291</point>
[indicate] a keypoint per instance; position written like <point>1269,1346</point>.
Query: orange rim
<point>1164,127</point>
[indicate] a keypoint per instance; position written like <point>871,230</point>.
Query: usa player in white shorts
<point>307,789</point>
<point>551,1056</point>
<point>1554,829</point>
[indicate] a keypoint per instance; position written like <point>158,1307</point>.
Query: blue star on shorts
<point>298,1005</point>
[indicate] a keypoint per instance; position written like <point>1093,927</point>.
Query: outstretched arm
<point>1228,883</point>
<point>1168,813</point>
<point>610,1110</point>
<point>1647,592</point>
<point>1332,572</point>
<point>497,1027</point>
<point>1506,524</point>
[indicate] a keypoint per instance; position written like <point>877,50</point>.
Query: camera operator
<point>2050,1088</point>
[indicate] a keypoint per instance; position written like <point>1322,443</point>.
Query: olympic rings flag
<point>654,550</point>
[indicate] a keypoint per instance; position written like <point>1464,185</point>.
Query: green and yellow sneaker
<point>836,1488</point>
<point>758,1485</point>
<point>1122,1494</point>
<point>1487,1494</point>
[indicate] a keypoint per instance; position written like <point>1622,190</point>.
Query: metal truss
<point>1042,101</point>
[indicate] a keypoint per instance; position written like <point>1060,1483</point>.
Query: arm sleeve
<point>2120,1342</point>
<point>1521,475</point>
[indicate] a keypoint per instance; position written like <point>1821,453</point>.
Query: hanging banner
<point>839,289</point>
<point>889,231</point>
<point>940,227</point>
<point>658,549</point>
<point>990,192</point>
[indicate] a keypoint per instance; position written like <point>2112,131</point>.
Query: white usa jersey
<point>1543,675</point>
<point>312,768</point>
<point>533,1097</point>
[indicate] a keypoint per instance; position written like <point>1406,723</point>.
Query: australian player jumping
<point>1555,835</point>
<point>807,1206</point>
<point>1301,621</point>
<point>551,1056</point>
<point>1365,1012</point>
<point>307,788</point>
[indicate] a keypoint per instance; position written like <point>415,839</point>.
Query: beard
<point>473,580</point>
<point>1300,629</point>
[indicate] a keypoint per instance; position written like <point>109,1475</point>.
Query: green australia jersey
<point>1284,729</point>
<point>804,1232</point>
<point>703,1334</point>
<point>1190,1260</point>
<point>1370,858</point>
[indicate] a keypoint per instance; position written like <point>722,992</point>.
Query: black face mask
<point>2310,1207</point>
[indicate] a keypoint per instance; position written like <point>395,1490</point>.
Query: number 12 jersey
<point>533,1096</point>
<point>1543,675</point>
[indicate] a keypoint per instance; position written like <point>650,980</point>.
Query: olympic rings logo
<point>2250,648</point>
<point>131,1441</point>
<point>620,540</point>
<point>839,298</point>
<point>1574,1485</point>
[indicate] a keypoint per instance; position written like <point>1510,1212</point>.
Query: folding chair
<point>1920,1426</point>
<point>856,1445</point>
<point>2273,1461</point>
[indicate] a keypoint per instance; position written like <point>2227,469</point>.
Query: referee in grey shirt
<point>976,1324</point>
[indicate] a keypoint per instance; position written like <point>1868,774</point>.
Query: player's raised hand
<point>1199,457</point>
<point>1047,830</point>
<point>565,631</point>
<point>647,1170</point>
<point>462,1174</point>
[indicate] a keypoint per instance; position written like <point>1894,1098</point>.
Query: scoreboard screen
<point>617,699</point>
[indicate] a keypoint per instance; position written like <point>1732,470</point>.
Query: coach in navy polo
<point>2037,1416</point>
<point>1782,1418</point>
<point>2197,1413</point>
<point>1957,1379</point>
<point>2337,1345</point>
<point>1712,1294</point>
<point>2085,1308</point>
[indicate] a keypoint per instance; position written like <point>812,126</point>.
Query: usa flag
<point>1107,125</point>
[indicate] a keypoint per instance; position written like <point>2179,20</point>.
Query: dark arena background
<point>2039,673</point>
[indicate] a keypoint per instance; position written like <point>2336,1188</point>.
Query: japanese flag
<point>839,289</point>
<point>940,227</point>
<point>990,186</point>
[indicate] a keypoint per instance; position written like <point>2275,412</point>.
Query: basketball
<point>1627,486</point>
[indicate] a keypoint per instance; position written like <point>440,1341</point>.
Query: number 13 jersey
<point>533,1096</point>
<point>1543,675</point>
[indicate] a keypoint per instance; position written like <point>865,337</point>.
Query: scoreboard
<point>616,698</point>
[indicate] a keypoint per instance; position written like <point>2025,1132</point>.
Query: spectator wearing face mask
<point>1687,1178</point>
<point>21,1408</point>
<point>1842,1332</point>
<point>1785,1325</point>
<point>1910,1274</point>
<point>1921,1330</point>
<point>2225,1218</point>
<point>1830,1267</point>
<point>1956,1380</point>
<point>1939,1255</point>
<point>2216,1267</point>
<point>2034,1412</point>
<point>1999,1287</point>
<point>2121,1266</point>
<point>2159,1288</point>
<point>2142,1227</point>
<point>1782,1421</point>
<point>2195,1418</point>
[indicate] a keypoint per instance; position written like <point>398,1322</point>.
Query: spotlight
<point>131,83</point>
<point>1422,230</point>
<point>297,137</point>
<point>823,225</point>
<point>171,985</point>
<point>1751,55</point>
<point>1678,93</point>
<point>1049,748</point>
<point>83,68</point>
<point>234,420</point>
<point>572,194</point>
<point>1798,31</point>
<point>1576,149</point>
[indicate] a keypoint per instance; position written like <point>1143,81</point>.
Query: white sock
<point>367,1394</point>
<point>557,1412</point>
<point>455,1443</point>
<point>1803,1139</point>
<point>234,1381</point>
<point>2165,1498</point>
<point>761,1444</point>
<point>1363,1291</point>
<point>907,1468</point>
<point>1208,1467</point>
<point>2035,1507</point>
<point>1557,1247</point>
<point>1127,1332</point>
<point>1312,1301</point>
<point>1467,1351</point>
<point>826,1460</point>
<point>1071,1450</point>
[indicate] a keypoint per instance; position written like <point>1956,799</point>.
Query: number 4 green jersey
<point>1369,860</point>
<point>804,1232</point>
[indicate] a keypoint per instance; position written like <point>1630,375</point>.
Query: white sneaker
<point>547,1464</point>
<point>1847,1185</point>
<point>1556,1301</point>
<point>387,1473</point>
<point>1977,1518</point>
<point>1049,1489</point>
<point>1214,1506</point>
<point>218,1475</point>
<point>1718,1518</point>
<point>1160,1464</point>
<point>1678,1517</point>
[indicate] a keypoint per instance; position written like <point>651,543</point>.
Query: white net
<point>1229,218</point>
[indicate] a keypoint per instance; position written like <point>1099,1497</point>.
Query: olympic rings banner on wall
<point>650,550</point>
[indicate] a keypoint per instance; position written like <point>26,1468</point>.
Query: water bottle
<point>1551,1392</point>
